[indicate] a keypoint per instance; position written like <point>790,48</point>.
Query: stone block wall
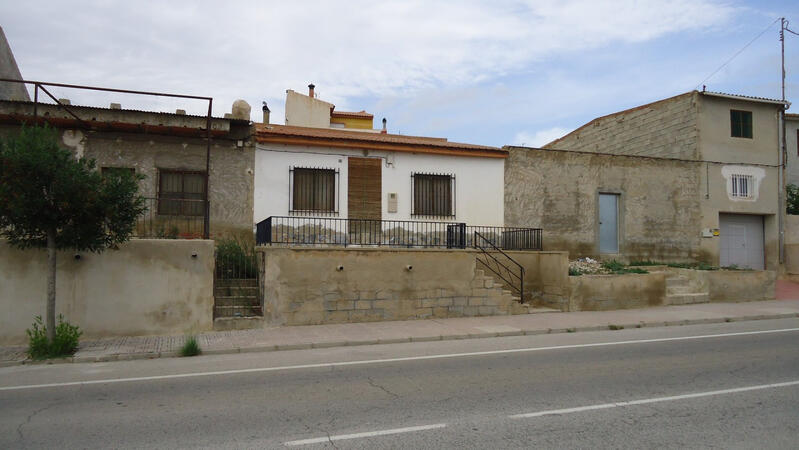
<point>659,212</point>
<point>304,286</point>
<point>666,128</point>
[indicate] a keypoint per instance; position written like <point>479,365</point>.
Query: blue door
<point>608,223</point>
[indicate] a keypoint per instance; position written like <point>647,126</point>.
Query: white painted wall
<point>479,182</point>
<point>304,111</point>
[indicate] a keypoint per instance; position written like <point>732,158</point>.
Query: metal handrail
<point>497,271</point>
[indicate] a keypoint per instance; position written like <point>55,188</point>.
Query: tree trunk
<point>50,316</point>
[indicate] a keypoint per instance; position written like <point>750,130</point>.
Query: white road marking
<point>341,437</point>
<point>388,360</point>
<point>554,412</point>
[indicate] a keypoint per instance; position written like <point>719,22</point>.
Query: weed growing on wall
<point>64,344</point>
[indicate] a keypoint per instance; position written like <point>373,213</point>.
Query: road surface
<point>731,385</point>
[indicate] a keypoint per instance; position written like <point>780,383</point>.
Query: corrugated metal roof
<point>99,108</point>
<point>744,97</point>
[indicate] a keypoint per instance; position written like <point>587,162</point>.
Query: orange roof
<point>330,137</point>
<point>357,115</point>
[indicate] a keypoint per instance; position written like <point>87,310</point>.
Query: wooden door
<point>364,199</point>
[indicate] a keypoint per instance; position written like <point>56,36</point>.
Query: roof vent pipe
<point>266,113</point>
<point>384,131</point>
<point>310,90</point>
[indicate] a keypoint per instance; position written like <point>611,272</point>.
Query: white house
<point>336,165</point>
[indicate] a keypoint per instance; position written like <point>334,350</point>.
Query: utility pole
<point>783,149</point>
<point>783,159</point>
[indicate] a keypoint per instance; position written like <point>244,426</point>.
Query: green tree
<point>51,199</point>
<point>792,199</point>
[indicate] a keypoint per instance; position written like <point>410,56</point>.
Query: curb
<point>445,337</point>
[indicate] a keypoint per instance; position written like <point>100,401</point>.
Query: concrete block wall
<point>666,128</point>
<point>558,191</point>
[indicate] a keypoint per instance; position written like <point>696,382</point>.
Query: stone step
<point>677,281</point>
<point>479,273</point>
<point>687,299</point>
<point>238,323</point>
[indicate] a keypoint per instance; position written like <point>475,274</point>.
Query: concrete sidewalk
<point>321,336</point>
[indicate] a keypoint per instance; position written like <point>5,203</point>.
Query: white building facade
<point>309,172</point>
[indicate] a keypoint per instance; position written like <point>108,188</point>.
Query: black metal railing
<point>389,233</point>
<point>170,218</point>
<point>500,263</point>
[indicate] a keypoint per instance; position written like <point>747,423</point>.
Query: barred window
<point>433,195</point>
<point>313,190</point>
<point>741,124</point>
<point>742,186</point>
<point>181,193</point>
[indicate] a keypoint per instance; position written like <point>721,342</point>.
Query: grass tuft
<point>615,327</point>
<point>190,347</point>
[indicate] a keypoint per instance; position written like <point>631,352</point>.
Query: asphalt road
<point>732,385</point>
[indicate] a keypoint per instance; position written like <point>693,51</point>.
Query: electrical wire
<point>736,54</point>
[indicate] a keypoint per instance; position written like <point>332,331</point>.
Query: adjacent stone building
<point>169,150</point>
<point>689,178</point>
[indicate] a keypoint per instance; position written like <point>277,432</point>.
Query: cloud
<point>540,137</point>
<point>255,50</point>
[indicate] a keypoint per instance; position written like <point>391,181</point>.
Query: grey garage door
<point>741,240</point>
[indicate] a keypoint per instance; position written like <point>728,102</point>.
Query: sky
<point>483,72</point>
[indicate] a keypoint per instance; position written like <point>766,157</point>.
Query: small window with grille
<point>313,191</point>
<point>433,195</point>
<point>741,186</point>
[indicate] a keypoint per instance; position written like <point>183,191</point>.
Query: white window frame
<point>742,186</point>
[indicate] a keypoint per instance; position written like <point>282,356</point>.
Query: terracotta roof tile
<point>358,115</point>
<point>275,133</point>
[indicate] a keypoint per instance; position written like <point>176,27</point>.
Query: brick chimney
<point>384,131</point>
<point>310,90</point>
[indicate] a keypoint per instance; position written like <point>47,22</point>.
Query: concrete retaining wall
<point>608,292</point>
<point>305,286</point>
<point>146,287</point>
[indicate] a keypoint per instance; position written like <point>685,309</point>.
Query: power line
<point>736,54</point>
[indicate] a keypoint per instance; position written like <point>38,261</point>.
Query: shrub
<point>618,268</point>
<point>235,259</point>
<point>190,347</point>
<point>64,344</point>
<point>645,263</point>
<point>792,199</point>
<point>574,272</point>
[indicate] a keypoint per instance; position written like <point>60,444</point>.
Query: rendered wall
<point>792,148</point>
<point>609,292</point>
<point>558,192</point>
<point>304,111</point>
<point>303,286</point>
<point>147,287</point>
<point>478,181</point>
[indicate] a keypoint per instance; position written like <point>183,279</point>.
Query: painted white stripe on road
<point>342,437</point>
<point>555,412</point>
<point>388,360</point>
